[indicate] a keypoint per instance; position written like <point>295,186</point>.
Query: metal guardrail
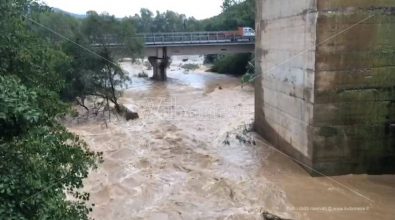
<point>193,38</point>
<point>182,38</point>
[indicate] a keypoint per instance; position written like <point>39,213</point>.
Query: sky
<point>199,9</point>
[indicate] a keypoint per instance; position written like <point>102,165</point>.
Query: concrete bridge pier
<point>325,93</point>
<point>160,64</point>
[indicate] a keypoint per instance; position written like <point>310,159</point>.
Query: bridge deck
<point>184,39</point>
<point>196,38</point>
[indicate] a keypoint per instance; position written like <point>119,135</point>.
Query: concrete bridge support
<point>159,64</point>
<point>325,94</point>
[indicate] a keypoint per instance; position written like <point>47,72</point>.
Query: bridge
<point>192,43</point>
<point>158,47</point>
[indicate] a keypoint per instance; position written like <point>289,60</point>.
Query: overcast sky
<point>197,8</point>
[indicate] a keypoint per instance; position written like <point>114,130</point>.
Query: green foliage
<point>19,108</point>
<point>235,14</point>
<point>250,75</point>
<point>227,4</point>
<point>107,76</point>
<point>105,29</point>
<point>78,81</point>
<point>59,24</point>
<point>89,71</point>
<point>39,66</point>
<point>39,159</point>
<point>168,21</point>
<point>231,64</point>
<point>36,168</point>
<point>106,83</point>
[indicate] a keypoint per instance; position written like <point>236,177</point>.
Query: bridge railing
<point>193,38</point>
<point>180,38</point>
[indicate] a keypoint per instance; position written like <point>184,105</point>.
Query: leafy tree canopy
<point>39,159</point>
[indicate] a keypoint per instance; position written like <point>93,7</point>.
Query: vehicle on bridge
<point>242,34</point>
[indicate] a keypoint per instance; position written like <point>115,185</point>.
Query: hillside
<point>78,16</point>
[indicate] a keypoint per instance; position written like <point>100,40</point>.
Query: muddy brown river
<point>192,155</point>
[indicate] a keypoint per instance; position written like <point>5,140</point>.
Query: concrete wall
<point>326,95</point>
<point>355,87</point>
<point>285,60</point>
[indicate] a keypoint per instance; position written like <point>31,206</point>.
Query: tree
<point>84,65</point>
<point>236,13</point>
<point>226,4</point>
<point>107,77</point>
<point>39,158</point>
<point>61,23</point>
<point>168,21</point>
<point>232,64</point>
<point>145,21</point>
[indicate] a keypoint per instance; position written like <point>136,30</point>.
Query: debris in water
<point>142,75</point>
<point>268,216</point>
<point>226,141</point>
<point>128,112</point>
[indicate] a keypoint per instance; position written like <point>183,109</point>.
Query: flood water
<point>192,155</point>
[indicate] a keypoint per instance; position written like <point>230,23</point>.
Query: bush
<point>250,75</point>
<point>232,64</point>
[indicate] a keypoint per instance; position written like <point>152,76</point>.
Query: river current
<point>193,155</point>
